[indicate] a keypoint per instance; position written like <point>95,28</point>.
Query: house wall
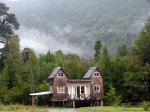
<point>97,81</point>
<point>59,82</point>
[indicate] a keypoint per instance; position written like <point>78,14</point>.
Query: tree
<point>143,53</point>
<point>8,22</point>
<point>112,96</point>
<point>104,61</point>
<point>122,50</point>
<point>104,66</point>
<point>97,48</point>
<point>31,69</point>
<point>143,43</point>
<point>73,66</point>
<point>13,62</point>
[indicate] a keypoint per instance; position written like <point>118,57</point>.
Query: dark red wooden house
<point>88,90</point>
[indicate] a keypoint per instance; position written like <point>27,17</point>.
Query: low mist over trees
<point>126,75</point>
<point>80,23</point>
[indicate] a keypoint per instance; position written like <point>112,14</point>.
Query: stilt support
<point>102,103</point>
<point>33,100</point>
<point>74,105</point>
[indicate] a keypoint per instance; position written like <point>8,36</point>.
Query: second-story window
<point>96,88</point>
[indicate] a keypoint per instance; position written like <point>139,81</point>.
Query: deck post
<point>63,103</point>
<point>91,104</point>
<point>74,105</point>
<point>102,103</point>
<point>33,100</point>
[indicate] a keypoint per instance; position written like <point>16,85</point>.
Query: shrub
<point>112,97</point>
<point>145,105</point>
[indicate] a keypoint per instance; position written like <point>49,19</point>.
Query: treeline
<point>126,75</point>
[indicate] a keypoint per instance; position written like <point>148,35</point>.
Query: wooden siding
<point>57,81</point>
<point>71,87</point>
<point>97,80</point>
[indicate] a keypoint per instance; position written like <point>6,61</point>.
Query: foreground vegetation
<point>111,109</point>
<point>22,108</point>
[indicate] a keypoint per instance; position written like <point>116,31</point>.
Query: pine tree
<point>143,43</point>
<point>13,62</point>
<point>97,48</point>
<point>8,22</point>
<point>122,50</point>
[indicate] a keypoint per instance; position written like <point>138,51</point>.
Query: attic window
<point>60,74</point>
<point>96,74</point>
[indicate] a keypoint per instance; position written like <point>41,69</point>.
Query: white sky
<point>8,0</point>
<point>1,45</point>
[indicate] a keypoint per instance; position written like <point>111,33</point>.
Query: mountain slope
<point>73,26</point>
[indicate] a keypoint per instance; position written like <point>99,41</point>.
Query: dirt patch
<point>62,110</point>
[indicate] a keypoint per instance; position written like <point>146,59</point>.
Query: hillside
<point>73,26</point>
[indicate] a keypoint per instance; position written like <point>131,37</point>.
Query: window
<point>60,74</point>
<point>96,74</point>
<point>60,89</point>
<point>96,88</point>
<point>82,89</point>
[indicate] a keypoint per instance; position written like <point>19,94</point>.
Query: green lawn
<point>110,109</point>
<point>22,108</point>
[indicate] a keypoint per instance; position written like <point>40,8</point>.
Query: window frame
<point>96,90</point>
<point>60,75</point>
<point>60,89</point>
<point>96,74</point>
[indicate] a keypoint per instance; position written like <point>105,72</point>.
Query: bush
<point>112,97</point>
<point>145,105</point>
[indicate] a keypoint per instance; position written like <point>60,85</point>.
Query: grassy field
<point>21,108</point>
<point>110,109</point>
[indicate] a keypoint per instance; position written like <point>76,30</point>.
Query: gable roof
<point>89,72</point>
<point>54,72</point>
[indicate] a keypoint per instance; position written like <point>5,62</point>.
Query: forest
<point>126,74</point>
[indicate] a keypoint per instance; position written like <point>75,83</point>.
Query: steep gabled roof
<point>89,72</point>
<point>54,72</point>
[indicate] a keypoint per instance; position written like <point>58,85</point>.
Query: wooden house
<point>88,89</point>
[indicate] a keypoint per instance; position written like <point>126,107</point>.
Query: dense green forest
<point>126,75</point>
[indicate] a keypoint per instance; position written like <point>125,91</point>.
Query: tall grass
<point>21,108</point>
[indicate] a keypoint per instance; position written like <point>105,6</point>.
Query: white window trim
<point>96,73</point>
<point>63,89</point>
<point>96,87</point>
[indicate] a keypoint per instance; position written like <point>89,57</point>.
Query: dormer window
<point>60,74</point>
<point>96,74</point>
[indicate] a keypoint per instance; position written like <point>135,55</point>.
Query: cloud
<point>6,1</point>
<point>12,0</point>
<point>42,43</point>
